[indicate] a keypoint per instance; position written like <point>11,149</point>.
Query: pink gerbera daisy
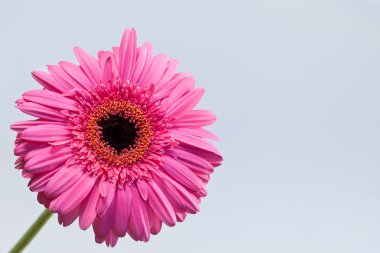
<point>117,142</point>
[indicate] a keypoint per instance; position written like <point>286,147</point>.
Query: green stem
<point>31,232</point>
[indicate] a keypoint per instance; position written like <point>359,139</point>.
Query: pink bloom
<point>117,142</point>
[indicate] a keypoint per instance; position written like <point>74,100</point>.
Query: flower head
<point>117,142</point>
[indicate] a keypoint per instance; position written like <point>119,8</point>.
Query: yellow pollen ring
<point>101,148</point>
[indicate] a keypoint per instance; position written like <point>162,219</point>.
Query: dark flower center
<point>119,132</point>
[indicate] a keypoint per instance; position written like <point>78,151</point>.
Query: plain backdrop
<point>295,86</point>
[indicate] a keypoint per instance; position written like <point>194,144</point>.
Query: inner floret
<point>119,132</point>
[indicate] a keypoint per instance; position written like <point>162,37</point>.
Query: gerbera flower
<point>117,141</point>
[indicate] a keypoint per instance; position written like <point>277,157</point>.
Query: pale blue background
<point>295,85</point>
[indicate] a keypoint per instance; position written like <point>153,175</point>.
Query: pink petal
<point>69,218</point>
<point>155,222</point>
<point>50,99</point>
<point>62,77</point>
<point>74,196</point>
<point>46,133</point>
<point>20,165</point>
<point>122,210</point>
<point>107,71</point>
<point>194,141</point>
<point>38,182</point>
<point>204,177</point>
<point>89,65</point>
<point>45,159</point>
<point>169,73</point>
<point>213,158</point>
<point>156,70</point>
<point>102,188</point>
<point>138,224</point>
<point>185,104</point>
<point>105,202</point>
<point>184,86</point>
<point>77,74</point>
<point>103,55</point>
<point>144,54</point>
<point>180,216</point>
<point>193,161</point>
<point>127,54</point>
<point>111,239</point>
<point>48,81</point>
<point>147,63</point>
<point>182,174</point>
<point>160,204</point>
<point>166,90</point>
<point>60,142</point>
<point>88,212</point>
<point>99,239</point>
<point>143,189</point>
<point>22,125</point>
<point>102,225</point>
<point>42,112</point>
<point>42,199</point>
<point>26,146</point>
<point>116,53</point>
<point>182,199</point>
<point>195,118</point>
<point>196,132</point>
<point>62,180</point>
